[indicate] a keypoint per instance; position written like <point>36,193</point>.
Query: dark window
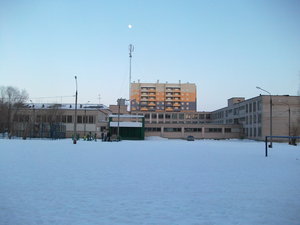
<point>69,119</point>
<point>227,130</point>
<point>152,129</point>
<point>213,130</point>
<point>254,106</point>
<point>91,119</point>
<point>64,119</point>
<point>192,129</point>
<point>79,119</point>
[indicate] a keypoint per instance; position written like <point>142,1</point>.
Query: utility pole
<point>75,119</point>
<point>118,131</point>
<point>131,49</point>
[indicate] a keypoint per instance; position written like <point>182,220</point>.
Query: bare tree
<point>11,100</point>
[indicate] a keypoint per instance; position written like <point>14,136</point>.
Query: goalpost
<point>291,139</point>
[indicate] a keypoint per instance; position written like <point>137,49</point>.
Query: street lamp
<point>271,141</point>
<point>75,121</point>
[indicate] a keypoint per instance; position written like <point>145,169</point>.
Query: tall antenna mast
<point>131,49</point>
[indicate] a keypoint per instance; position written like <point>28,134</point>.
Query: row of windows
<point>176,116</point>
<point>56,119</point>
<point>192,130</point>
<point>175,122</point>
<point>252,132</point>
<point>249,108</point>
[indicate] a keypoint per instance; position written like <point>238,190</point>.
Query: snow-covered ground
<point>152,182</point>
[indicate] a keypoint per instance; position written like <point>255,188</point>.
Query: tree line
<point>12,100</point>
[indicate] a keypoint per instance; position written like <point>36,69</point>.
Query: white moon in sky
<point>129,26</point>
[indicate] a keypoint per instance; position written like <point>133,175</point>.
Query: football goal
<point>292,140</point>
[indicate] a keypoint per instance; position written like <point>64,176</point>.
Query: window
<point>154,115</point>
<point>168,116</point>
<point>167,129</point>
<point>160,116</point>
<point>187,116</point>
<point>227,130</point>
<point>192,129</point>
<point>174,116</point>
<point>91,119</point>
<point>64,119</point>
<point>79,119</point>
<point>254,106</point>
<point>152,129</point>
<point>147,116</point>
<point>213,130</point>
<point>181,116</point>
<point>259,118</point>
<point>259,105</point>
<point>69,119</point>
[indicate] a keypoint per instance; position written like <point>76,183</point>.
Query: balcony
<point>151,104</point>
<point>143,103</point>
<point>169,109</point>
<point>144,109</point>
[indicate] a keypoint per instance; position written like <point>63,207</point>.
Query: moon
<point>129,26</point>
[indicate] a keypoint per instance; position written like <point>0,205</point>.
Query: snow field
<point>151,182</point>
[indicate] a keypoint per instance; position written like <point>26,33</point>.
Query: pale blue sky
<point>226,47</point>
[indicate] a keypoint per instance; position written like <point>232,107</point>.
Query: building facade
<point>58,120</point>
<point>254,115</point>
<point>163,97</point>
<point>242,118</point>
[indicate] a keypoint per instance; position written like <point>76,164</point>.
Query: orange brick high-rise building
<point>163,97</point>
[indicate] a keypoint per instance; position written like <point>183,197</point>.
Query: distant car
<point>190,138</point>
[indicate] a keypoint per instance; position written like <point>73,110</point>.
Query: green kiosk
<point>127,127</point>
